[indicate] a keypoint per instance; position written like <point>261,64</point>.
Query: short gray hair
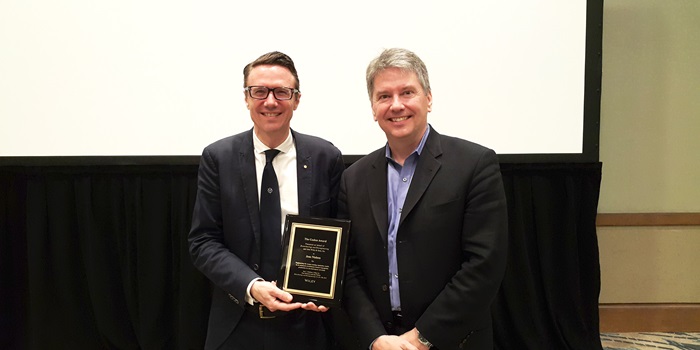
<point>397,58</point>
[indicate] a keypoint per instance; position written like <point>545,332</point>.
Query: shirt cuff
<point>249,298</point>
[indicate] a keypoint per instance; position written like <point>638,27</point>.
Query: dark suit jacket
<point>451,244</point>
<point>225,237</point>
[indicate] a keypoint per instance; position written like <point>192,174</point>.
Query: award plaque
<point>314,252</point>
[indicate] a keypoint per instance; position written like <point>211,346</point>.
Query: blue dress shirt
<point>398,181</point>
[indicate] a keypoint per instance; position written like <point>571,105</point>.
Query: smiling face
<point>271,117</point>
<point>401,107</point>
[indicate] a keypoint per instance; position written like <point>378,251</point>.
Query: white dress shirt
<point>285,164</point>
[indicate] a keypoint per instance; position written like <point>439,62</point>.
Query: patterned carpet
<point>650,341</point>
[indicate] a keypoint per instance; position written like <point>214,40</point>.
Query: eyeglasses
<point>280,93</point>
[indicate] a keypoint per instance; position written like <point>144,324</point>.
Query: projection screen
<point>160,78</point>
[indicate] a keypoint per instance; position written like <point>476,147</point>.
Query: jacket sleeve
<point>207,243</point>
<point>461,307</point>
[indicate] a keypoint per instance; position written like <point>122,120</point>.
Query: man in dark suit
<point>429,223</point>
<point>248,310</point>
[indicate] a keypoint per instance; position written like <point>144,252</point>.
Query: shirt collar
<point>286,145</point>
<point>419,149</point>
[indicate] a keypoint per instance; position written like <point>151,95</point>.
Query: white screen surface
<point>156,77</point>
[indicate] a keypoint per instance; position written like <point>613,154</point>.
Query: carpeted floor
<point>650,341</point>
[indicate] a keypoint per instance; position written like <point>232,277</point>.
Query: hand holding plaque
<point>314,253</point>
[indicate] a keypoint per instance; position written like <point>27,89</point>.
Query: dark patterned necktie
<point>270,219</point>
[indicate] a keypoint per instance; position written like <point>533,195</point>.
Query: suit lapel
<point>246,158</point>
<point>304,169</point>
<point>376,184</point>
<point>426,169</point>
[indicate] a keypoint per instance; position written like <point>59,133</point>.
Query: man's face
<point>270,116</point>
<point>400,105</point>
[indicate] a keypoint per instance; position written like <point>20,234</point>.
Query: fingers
<point>392,342</point>
<point>312,307</point>
<point>272,297</point>
<point>411,336</point>
<point>280,294</point>
<point>277,305</point>
<point>276,299</point>
<point>267,291</point>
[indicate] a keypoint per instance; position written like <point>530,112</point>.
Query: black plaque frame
<point>314,253</point>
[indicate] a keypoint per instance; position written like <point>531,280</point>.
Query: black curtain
<point>549,295</point>
<point>95,257</point>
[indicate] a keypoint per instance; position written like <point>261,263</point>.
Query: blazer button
<point>256,267</point>
<point>385,288</point>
